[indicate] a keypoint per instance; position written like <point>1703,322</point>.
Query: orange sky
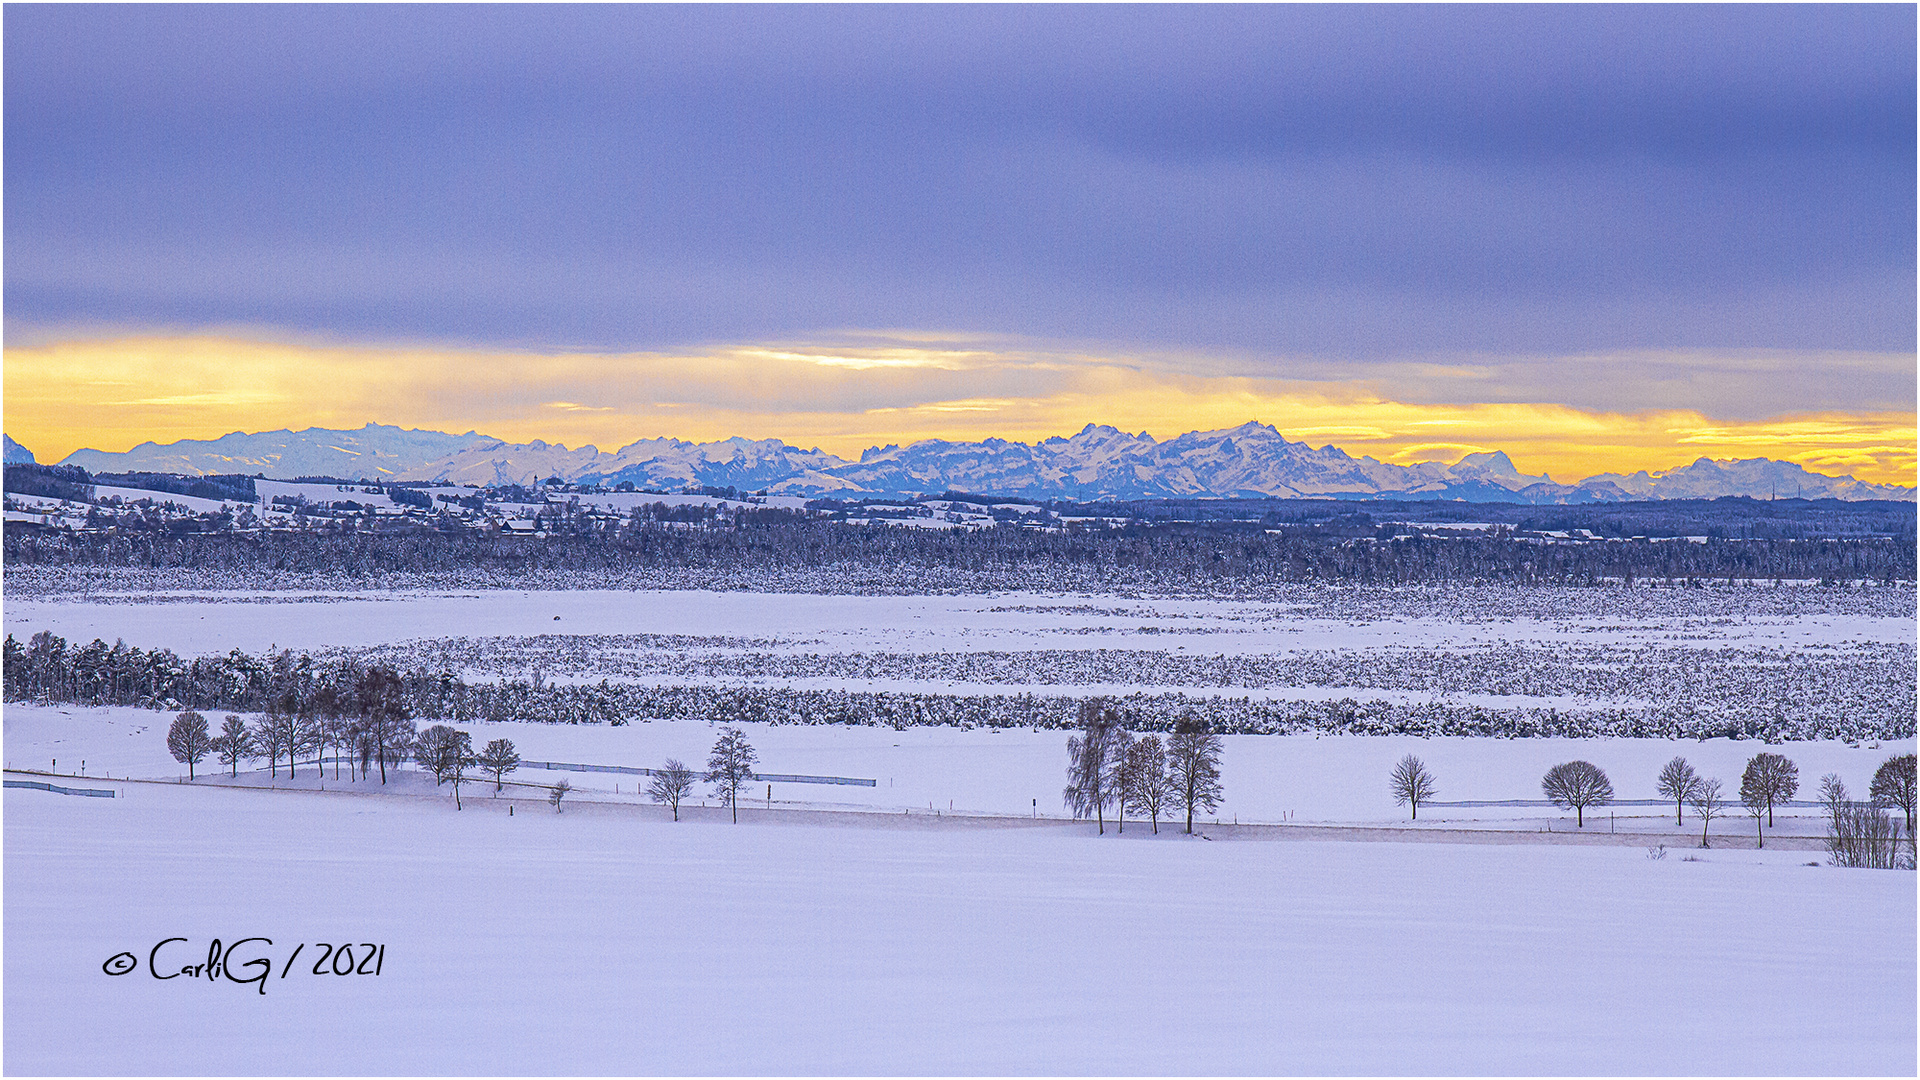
<point>111,393</point>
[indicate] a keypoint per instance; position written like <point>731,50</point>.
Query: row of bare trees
<point>1108,767</point>
<point>729,769</point>
<point>384,736</point>
<point>1856,831</point>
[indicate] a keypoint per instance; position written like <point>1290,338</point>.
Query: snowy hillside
<point>1099,462</point>
<point>17,454</point>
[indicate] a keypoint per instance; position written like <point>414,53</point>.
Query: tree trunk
<point>1579,817</point>
<point>1704,822</point>
<point>1676,813</point>
<point>1759,832</point>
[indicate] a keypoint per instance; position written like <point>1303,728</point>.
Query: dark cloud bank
<point>1348,184</point>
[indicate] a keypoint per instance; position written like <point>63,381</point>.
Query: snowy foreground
<point>619,942</point>
<point>946,920</point>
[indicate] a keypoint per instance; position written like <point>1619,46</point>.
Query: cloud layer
<point>1599,236</point>
<point>1347,183</point>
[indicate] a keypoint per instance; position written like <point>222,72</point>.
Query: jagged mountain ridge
<point>1099,462</point>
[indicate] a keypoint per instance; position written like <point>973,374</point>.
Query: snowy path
<point>576,943</point>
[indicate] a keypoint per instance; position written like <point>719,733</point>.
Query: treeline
<point>1723,518</point>
<point>1871,682</point>
<point>46,669</point>
<point>771,543</point>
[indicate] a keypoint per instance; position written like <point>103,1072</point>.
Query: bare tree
<point>1706,802</point>
<point>1193,767</point>
<point>233,743</point>
<point>1771,779</point>
<point>1091,757</point>
<point>187,739</point>
<point>436,749</point>
<point>671,783</point>
<point>380,698</point>
<point>1117,774</point>
<point>558,792</point>
<point>283,731</point>
<point>1753,796</point>
<point>1412,784</point>
<point>340,734</point>
<point>271,734</point>
<point>458,759</point>
<point>499,758</point>
<point>1677,781</point>
<point>363,746</point>
<point>1833,796</point>
<point>1893,786</point>
<point>730,767</point>
<point>1576,785</point>
<point>328,730</point>
<point>303,736</point>
<point>1146,778</point>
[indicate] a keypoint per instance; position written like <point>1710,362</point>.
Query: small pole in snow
<point>1036,808</point>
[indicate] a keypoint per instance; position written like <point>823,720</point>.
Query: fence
<point>627,770</point>
<point>58,790</point>
<point>771,778</point>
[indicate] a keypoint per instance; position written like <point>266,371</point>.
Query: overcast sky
<point>1604,208</point>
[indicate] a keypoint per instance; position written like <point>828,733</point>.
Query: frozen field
<point>1785,662</point>
<point>583,943</point>
<point>194,623</point>
<point>1018,771</point>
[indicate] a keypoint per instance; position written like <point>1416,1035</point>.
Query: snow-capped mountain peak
<point>1097,462</point>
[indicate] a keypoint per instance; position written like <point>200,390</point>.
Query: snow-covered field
<point>936,932</point>
<point>580,943</point>
<point>195,623</point>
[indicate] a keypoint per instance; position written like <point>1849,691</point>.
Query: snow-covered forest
<point>797,553</point>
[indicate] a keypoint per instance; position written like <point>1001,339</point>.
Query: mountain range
<point>1099,463</point>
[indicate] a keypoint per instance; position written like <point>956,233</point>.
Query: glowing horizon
<point>895,388</point>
